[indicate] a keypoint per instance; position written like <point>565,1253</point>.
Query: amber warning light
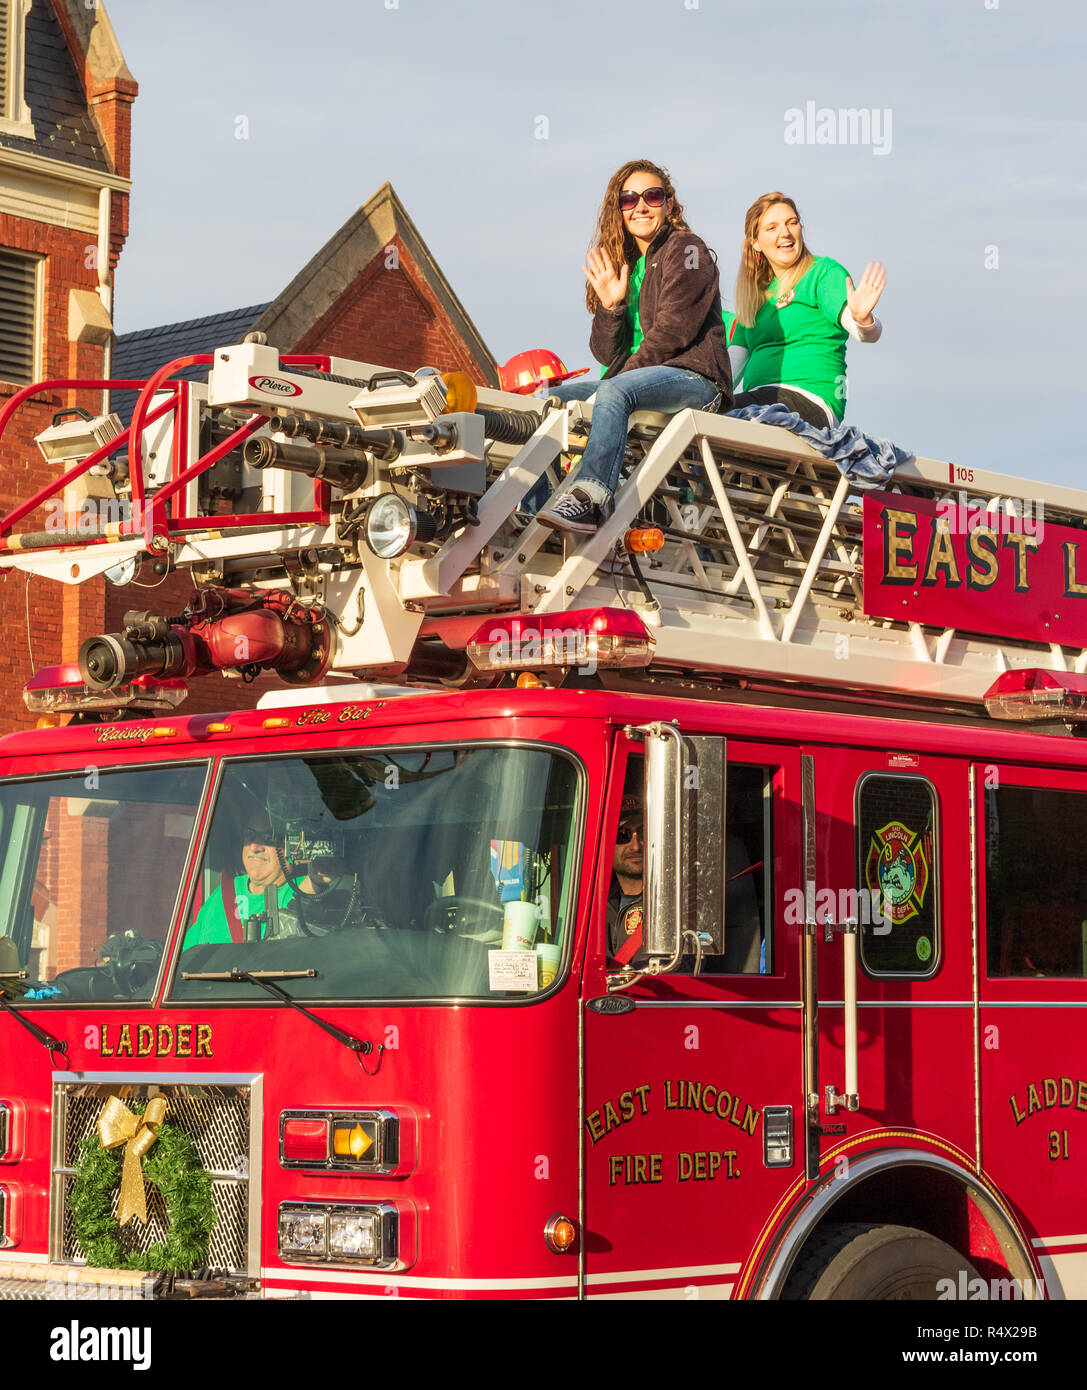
<point>1037,695</point>
<point>585,637</point>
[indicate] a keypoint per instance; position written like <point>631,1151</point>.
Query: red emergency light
<point>1035,694</point>
<point>62,690</point>
<point>581,637</point>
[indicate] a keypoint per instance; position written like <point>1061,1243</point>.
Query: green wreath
<point>173,1165</point>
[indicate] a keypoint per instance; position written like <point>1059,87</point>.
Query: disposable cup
<point>549,957</point>
<point>519,923</point>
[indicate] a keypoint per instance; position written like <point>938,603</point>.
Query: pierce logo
<point>275,386</point>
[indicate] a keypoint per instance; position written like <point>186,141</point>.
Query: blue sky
<point>981,364</point>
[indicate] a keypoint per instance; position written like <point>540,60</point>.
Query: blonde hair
<point>754,275</point>
<point>611,235</point>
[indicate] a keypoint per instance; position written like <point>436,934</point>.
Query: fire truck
<point>359,963</point>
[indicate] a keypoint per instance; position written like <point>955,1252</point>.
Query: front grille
<point>216,1118</point>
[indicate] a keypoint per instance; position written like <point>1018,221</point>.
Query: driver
<point>239,899</point>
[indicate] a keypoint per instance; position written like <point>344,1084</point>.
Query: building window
<point>18,316</point>
<point>14,112</point>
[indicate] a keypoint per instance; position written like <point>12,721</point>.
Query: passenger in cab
<point>654,293</point>
<point>626,901</point>
<point>794,313</point>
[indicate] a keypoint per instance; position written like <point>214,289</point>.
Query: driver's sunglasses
<point>258,835</point>
<point>651,197</point>
<point>628,829</point>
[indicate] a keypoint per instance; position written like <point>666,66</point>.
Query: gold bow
<point>118,1125</point>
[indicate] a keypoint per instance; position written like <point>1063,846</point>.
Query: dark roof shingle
<point>63,126</point>
<point>136,356</point>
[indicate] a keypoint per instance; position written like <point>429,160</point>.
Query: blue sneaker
<point>574,511</point>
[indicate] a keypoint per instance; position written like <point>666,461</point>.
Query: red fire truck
<point>693,909</point>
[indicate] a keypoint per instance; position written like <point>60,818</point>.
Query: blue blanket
<point>866,460</point>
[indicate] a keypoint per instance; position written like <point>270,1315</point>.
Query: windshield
<point>403,874</point>
<point>90,868</point>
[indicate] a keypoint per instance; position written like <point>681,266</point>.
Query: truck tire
<point>874,1263</point>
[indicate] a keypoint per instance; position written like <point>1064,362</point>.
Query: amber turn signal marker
<point>48,721</point>
<point>219,728</point>
<point>164,731</point>
<point>276,723</point>
<point>460,392</point>
<point>528,680</point>
<point>641,539</point>
<point>560,1233</point>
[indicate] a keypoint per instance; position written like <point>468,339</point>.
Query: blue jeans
<point>645,388</point>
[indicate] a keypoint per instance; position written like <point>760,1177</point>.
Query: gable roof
<point>63,126</point>
<point>361,239</point>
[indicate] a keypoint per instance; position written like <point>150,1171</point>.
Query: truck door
<point>692,1096</point>
<point>892,856</point>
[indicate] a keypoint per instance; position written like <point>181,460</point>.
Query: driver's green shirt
<point>210,927</point>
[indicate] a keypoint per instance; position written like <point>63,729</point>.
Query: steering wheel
<point>455,906</point>
<point>130,969</point>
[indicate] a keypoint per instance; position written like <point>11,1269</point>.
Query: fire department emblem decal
<point>632,920</point>
<point>898,870</point>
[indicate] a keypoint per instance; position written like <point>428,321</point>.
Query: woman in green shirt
<point>794,312</point>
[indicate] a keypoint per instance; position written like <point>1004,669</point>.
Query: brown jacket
<point>679,308</point>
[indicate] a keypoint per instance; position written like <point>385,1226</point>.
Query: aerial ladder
<point>344,521</point>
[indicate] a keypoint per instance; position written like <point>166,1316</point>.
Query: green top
<point>802,343</point>
<point>637,275</point>
<point>210,927</point>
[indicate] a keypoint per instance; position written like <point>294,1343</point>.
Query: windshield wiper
<point>46,1039</point>
<point>362,1047</point>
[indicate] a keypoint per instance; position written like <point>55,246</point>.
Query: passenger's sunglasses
<point>651,197</point>
<point>627,830</point>
<point>258,835</point>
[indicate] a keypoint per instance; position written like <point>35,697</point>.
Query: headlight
<point>303,1233</point>
<point>393,526</point>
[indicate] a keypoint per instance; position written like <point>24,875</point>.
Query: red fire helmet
<point>526,372</point>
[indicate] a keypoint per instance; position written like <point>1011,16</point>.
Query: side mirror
<point>685,802</point>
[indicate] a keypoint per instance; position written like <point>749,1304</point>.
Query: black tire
<point>855,1260</point>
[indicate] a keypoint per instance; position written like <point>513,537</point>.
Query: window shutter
<point>18,305</point>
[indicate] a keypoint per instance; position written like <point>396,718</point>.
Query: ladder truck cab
<point>693,905</point>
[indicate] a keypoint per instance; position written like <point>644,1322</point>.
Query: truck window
<point>897,876</point>
<point>748,864</point>
<point>1035,882</point>
<point>397,874</point>
<point>749,858</point>
<point>90,871</point>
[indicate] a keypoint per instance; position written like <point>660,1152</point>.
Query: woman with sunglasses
<point>654,293</point>
<point>794,312</point>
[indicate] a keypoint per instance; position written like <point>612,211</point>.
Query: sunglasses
<point>651,197</point>
<point>258,835</point>
<point>627,830</point>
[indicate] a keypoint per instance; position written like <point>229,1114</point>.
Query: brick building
<point>372,292</point>
<point>65,108</point>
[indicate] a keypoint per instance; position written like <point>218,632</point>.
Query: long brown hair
<point>754,276</point>
<point>611,235</point>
